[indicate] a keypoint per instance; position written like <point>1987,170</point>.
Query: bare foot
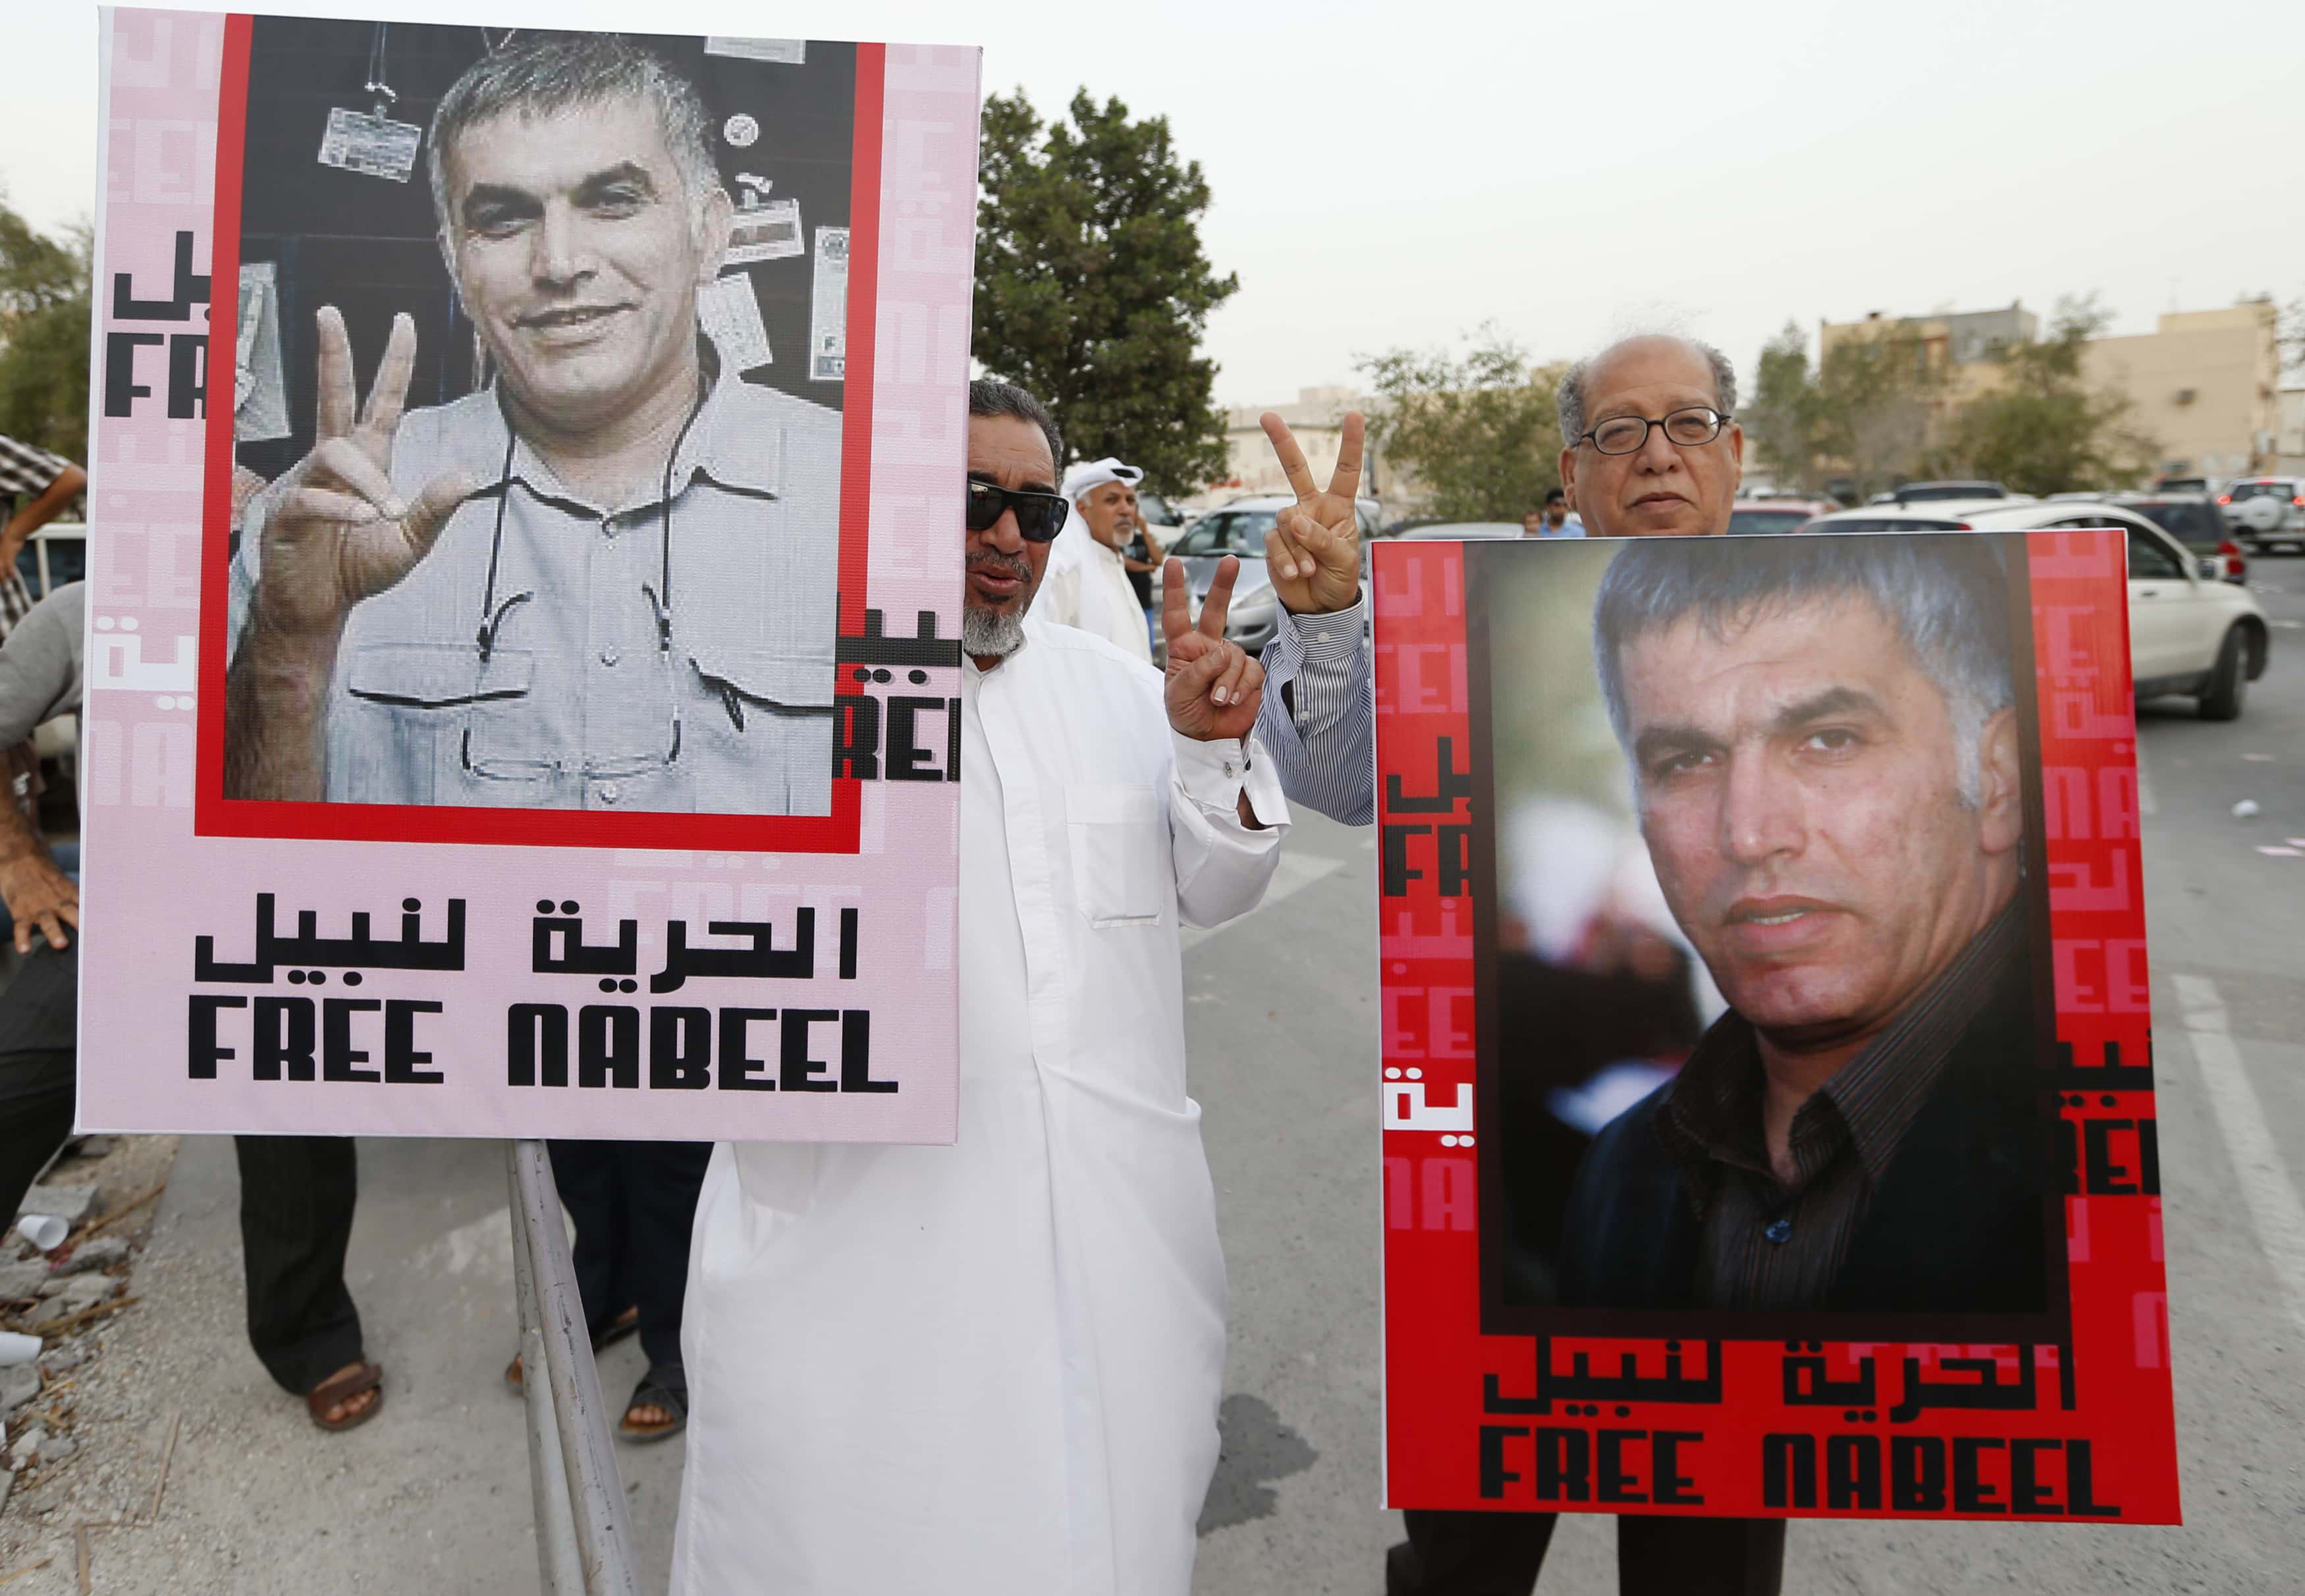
<point>337,1412</point>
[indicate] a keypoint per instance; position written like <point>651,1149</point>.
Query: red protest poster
<point>1768,1118</point>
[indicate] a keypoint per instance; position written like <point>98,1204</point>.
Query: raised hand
<point>1213,687</point>
<point>1313,551</point>
<point>340,533</point>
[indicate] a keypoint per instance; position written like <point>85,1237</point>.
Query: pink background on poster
<point>150,887</point>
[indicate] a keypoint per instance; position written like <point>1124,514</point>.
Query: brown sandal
<point>339,1388</point>
<point>624,1324</point>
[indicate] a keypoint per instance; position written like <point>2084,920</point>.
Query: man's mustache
<point>1007,565</point>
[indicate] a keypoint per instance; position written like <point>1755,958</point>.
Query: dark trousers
<point>1499,1553</point>
<point>297,1198</point>
<point>635,1203</point>
<point>38,1033</point>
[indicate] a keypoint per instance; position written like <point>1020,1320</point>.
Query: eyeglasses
<point>1697,425</point>
<point>1040,516</point>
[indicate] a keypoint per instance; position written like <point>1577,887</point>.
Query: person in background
<point>48,484</point>
<point>1086,584</point>
<point>1649,447</point>
<point>296,1193</point>
<point>1141,556</point>
<point>1556,522</point>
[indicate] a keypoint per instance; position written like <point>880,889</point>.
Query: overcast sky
<point>1390,174</point>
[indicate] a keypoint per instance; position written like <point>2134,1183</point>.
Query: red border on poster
<point>1497,1422</point>
<point>216,815</point>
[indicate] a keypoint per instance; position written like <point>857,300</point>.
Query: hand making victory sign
<point>1313,551</point>
<point>1214,688</point>
<point>341,532</point>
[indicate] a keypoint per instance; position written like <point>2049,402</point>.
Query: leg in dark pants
<point>297,1198</point>
<point>635,1203</point>
<point>1700,1556</point>
<point>1500,1554</point>
<point>39,1037</point>
<point>1469,1554</point>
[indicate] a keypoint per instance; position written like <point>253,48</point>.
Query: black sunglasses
<point>1040,516</point>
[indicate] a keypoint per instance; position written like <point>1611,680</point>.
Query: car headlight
<point>1252,614</point>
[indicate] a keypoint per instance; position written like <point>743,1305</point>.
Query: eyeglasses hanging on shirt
<point>497,766</point>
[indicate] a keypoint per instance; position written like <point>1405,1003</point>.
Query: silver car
<point>1240,529</point>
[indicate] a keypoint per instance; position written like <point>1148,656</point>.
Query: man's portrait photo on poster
<point>1768,1014</point>
<point>538,463</point>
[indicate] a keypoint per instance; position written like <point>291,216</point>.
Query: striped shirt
<point>1771,1245</point>
<point>1318,721</point>
<point>23,470</point>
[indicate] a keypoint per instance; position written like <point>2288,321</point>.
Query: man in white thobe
<point>993,1369</point>
<point>1087,584</point>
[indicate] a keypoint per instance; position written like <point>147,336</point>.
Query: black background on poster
<point>366,244</point>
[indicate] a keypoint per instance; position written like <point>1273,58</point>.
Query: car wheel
<point>2228,680</point>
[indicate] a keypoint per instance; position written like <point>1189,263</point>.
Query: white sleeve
<point>1222,867</point>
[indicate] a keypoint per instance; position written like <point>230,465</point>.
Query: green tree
<point>1877,400</point>
<point>1782,418</point>
<point>1092,288</point>
<point>44,329</point>
<point>2043,431</point>
<point>1479,430</point>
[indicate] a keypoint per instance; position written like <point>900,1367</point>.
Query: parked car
<point>2211,486</point>
<point>1238,528</point>
<point>2194,520</point>
<point>2190,633</point>
<point>1156,511</point>
<point>1915,493</point>
<point>1768,517</point>
<point>54,555</point>
<point>2266,512</point>
<point>1945,516</point>
<point>1457,531</point>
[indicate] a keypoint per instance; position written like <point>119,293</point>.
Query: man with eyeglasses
<point>1649,448</point>
<point>994,1367</point>
<point>608,579</point>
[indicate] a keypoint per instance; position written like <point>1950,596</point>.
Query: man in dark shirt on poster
<point>1825,754</point>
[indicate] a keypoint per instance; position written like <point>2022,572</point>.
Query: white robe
<point>993,1369</point>
<point>1086,585</point>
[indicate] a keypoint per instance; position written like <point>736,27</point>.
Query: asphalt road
<point>1281,1015</point>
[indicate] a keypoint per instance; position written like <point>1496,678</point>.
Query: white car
<point>2267,511</point>
<point>2189,631</point>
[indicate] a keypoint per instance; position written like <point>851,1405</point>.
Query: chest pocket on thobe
<point>1121,853</point>
<point>417,702</point>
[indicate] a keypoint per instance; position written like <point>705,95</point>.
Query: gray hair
<point>990,396</point>
<point>1570,395</point>
<point>541,74</point>
<point>1946,597</point>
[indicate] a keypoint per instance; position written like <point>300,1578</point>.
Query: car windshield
<point>2250,490</point>
<point>1152,507</point>
<point>2186,485</point>
<point>1228,531</point>
<point>1918,492</point>
<point>1891,524</point>
<point>1748,524</point>
<point>2195,524</point>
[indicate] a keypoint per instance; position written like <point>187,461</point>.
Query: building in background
<point>1317,421</point>
<point>2205,384</point>
<point>2289,448</point>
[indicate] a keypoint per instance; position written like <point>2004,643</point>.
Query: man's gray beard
<point>988,633</point>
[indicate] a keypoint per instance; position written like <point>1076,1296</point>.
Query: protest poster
<point>508,712</point>
<point>1673,831</point>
